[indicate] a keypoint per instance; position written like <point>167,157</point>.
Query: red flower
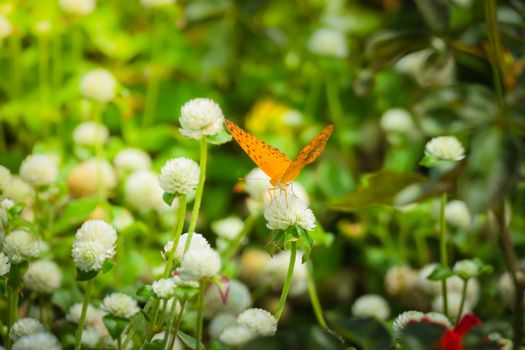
<point>453,337</point>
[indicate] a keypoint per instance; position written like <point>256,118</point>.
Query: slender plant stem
<point>443,250</point>
<point>82,321</point>
<point>119,342</point>
<point>314,298</point>
<point>152,91</point>
<point>200,313</point>
<point>179,225</point>
<point>234,245</point>
<point>496,57</point>
<point>287,282</point>
<point>463,297</point>
<point>12,310</point>
<point>198,195</point>
<point>175,330</point>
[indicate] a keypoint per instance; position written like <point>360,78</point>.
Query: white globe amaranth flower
<point>228,228</point>
<point>328,42</point>
<point>5,178</point>
<point>99,84</point>
<point>120,305</point>
<point>84,179</point>
<point>25,326</point>
<point>39,169</point>
<point>259,321</point>
<point>43,276</point>
<point>458,215</point>
<point>286,211</point>
<point>122,219</point>
<point>236,335</point>
<point>37,341</point>
<point>445,148</point>
<point>5,265</point>
<point>91,338</point>
<point>90,134</point>
<point>200,263</point>
<point>19,191</point>
<point>88,256</point>
<point>164,288</point>
<point>200,117</point>
<point>94,243</point>
<point>238,300</point>
<point>20,245</point>
<point>400,279</point>
<point>179,176</point>
<point>257,184</point>
<point>131,159</point>
<point>438,317</point>
<point>143,192</point>
<point>371,305</point>
<point>6,29</point>
<point>197,241</point>
<point>156,3</point>
<point>277,270</point>
<point>93,315</point>
<point>77,7</point>
<point>219,323</point>
<point>453,303</point>
<point>403,319</point>
<point>399,120</point>
<point>466,268</point>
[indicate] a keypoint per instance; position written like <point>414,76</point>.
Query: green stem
<point>443,250</point>
<point>314,298</point>
<point>247,228</point>
<point>496,57</point>
<point>82,321</point>
<point>200,313</point>
<point>181,213</point>
<point>175,330</point>
<point>119,342</point>
<point>152,91</point>
<point>287,282</point>
<point>198,195</point>
<point>463,298</point>
<point>12,297</point>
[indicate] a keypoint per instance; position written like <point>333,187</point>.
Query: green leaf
<point>387,48</point>
<point>74,213</point>
<point>440,273</point>
<point>219,138</point>
<point>168,198</point>
<point>115,325</point>
<point>379,189</point>
<point>189,341</point>
<point>145,291</point>
<point>155,345</point>
<point>436,13</point>
<point>422,335</point>
<point>369,333</point>
<point>107,266</point>
<point>86,276</point>
<point>428,161</point>
<point>305,243</point>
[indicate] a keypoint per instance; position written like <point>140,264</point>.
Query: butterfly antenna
<point>252,178</point>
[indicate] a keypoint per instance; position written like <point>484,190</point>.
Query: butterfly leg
<point>291,189</point>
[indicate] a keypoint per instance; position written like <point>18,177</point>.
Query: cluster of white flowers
<point>328,42</point>
<point>5,27</point>
<point>99,84</point>
<point>143,192</point>
<point>77,7</point>
<point>37,341</point>
<point>285,211</point>
<point>277,268</point>
<point>5,265</point>
<point>25,326</point>
<point>197,242</point>
<point>94,243</point>
<point>371,305</point>
<point>238,300</point>
<point>200,117</point>
<point>39,170</point>
<point>43,276</point>
<point>179,176</point>
<point>90,134</point>
<point>156,3</point>
<point>445,148</point>
<point>120,305</point>
<point>249,324</point>
<point>20,245</point>
<point>83,180</point>
<point>131,159</point>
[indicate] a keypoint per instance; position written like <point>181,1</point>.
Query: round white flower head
<point>5,265</point>
<point>93,315</point>
<point>277,269</point>
<point>94,243</point>
<point>25,326</point>
<point>219,323</point>
<point>91,338</point>
<point>43,276</point>
<point>236,335</point>
<point>455,284</point>
<point>37,341</point>
<point>458,215</point>
<point>179,176</point>
<point>5,178</point>
<point>164,288</point>
<point>454,300</point>
<point>286,211</point>
<point>445,148</point>
<point>90,134</point>
<point>371,305</point>
<point>466,268</point>
<point>403,319</point>
<point>200,117</point>
<point>120,305</point>
<point>19,190</point>
<point>328,42</point>
<point>424,284</point>
<point>259,321</point>
<point>84,178</point>
<point>131,159</point>
<point>437,317</point>
<point>197,241</point>
<point>238,300</point>
<point>122,219</point>
<point>400,279</point>
<point>39,169</point>
<point>200,263</point>
<point>144,193</point>
<point>88,256</point>
<point>156,3</point>
<point>398,120</point>
<point>77,7</point>
<point>228,228</point>
<point>20,245</point>
<point>5,28</point>
<point>99,84</point>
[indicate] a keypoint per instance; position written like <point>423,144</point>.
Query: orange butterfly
<point>281,169</point>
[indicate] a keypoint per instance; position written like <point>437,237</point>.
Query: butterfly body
<point>281,169</point>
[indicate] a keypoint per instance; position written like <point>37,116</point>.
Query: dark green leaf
<point>387,48</point>
<point>422,335</point>
<point>145,291</point>
<point>367,332</point>
<point>428,161</point>
<point>168,198</point>
<point>155,345</point>
<point>115,325</point>
<point>189,341</point>
<point>440,273</point>
<point>86,276</point>
<point>107,266</point>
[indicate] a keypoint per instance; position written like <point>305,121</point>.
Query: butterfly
<point>281,169</point>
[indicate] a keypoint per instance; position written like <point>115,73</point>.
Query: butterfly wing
<point>272,161</point>
<point>308,154</point>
